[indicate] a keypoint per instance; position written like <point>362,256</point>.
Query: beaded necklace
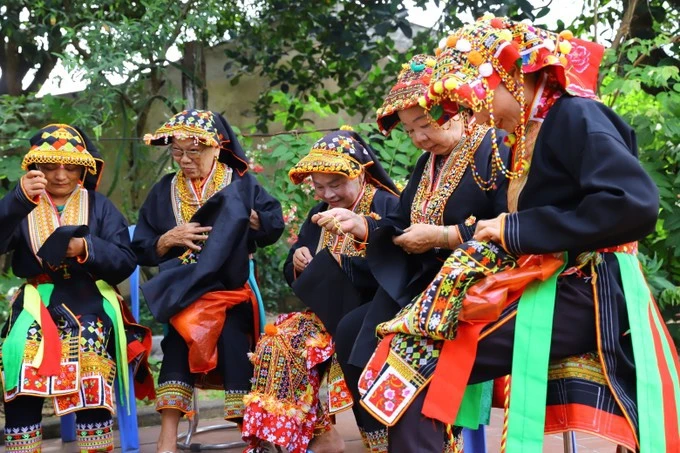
<point>187,198</point>
<point>434,190</point>
<point>345,244</point>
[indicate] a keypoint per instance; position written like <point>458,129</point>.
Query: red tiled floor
<point>553,443</point>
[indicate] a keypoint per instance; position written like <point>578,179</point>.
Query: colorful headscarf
<point>342,152</point>
<point>60,144</point>
<point>412,83</point>
<point>474,59</point>
<point>206,127</point>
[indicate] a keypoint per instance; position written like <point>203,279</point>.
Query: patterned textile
<point>87,369</point>
<point>27,439</point>
<point>345,153</point>
<point>389,388</point>
<point>174,395</point>
<point>412,83</point>
<point>339,397</point>
<point>377,441</point>
<point>334,153</point>
<point>283,405</point>
<point>94,437</point>
<point>197,124</point>
<point>234,406</point>
<point>434,314</point>
<point>59,144</point>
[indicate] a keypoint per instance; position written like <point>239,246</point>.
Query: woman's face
<point>506,110</point>
<point>427,136</point>
<point>195,160</point>
<point>61,179</point>
<point>337,190</point>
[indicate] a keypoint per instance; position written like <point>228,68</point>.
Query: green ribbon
<point>648,379</point>
<point>14,345</point>
<point>475,408</point>
<point>529,388</point>
<point>112,310</point>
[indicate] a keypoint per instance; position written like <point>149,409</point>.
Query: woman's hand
<point>419,238</point>
<point>76,248</point>
<point>489,230</point>
<point>254,220</point>
<point>301,259</point>
<point>182,236</point>
<point>342,221</point>
<point>34,183</point>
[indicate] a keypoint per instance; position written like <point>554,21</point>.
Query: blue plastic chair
<point>127,416</point>
<point>474,440</point>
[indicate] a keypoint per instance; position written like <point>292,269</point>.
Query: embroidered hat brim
<point>59,144</point>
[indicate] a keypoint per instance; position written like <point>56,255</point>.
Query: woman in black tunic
<point>296,359</point>
<point>578,200</point>
<point>199,225</point>
<point>69,332</point>
<point>437,211</point>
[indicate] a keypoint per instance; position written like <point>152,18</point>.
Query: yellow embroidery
<point>43,220</point>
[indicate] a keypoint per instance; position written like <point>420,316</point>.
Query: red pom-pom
<point>271,330</point>
<point>497,22</point>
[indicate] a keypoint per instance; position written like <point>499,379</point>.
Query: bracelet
<point>446,236</point>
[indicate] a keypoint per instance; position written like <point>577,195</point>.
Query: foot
<point>328,442</point>
<point>161,448</point>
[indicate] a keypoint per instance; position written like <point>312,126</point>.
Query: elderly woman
<point>68,332</point>
<point>330,274</point>
<point>578,193</point>
<point>199,225</point>
<point>436,212</point>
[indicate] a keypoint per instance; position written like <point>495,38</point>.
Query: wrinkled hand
<point>419,238</point>
<point>254,220</point>
<point>34,183</point>
<point>341,221</point>
<point>76,247</point>
<point>489,230</point>
<point>301,258</point>
<point>182,236</point>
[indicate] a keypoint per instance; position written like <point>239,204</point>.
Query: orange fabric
<point>452,373</point>
<point>482,305</point>
<point>486,299</point>
<point>201,323</point>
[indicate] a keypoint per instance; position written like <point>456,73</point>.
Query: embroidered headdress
<point>60,144</point>
<point>342,152</point>
<point>411,85</point>
<point>475,59</point>
<point>206,127</point>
